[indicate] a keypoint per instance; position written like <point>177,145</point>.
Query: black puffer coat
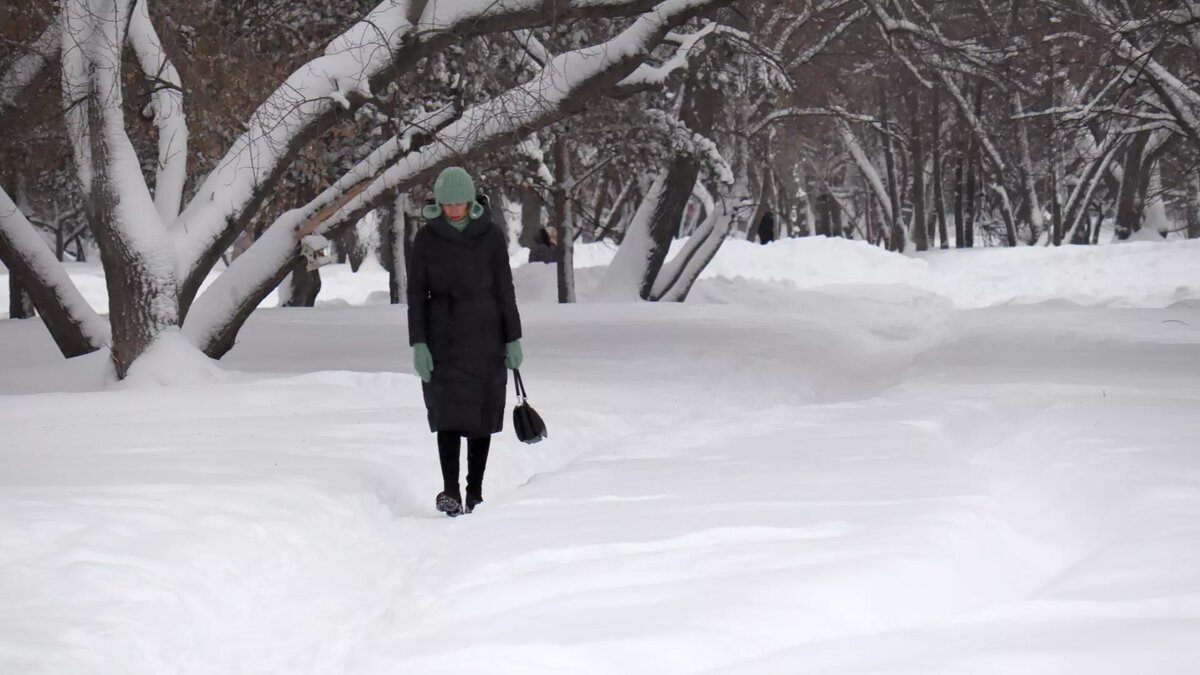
<point>462,304</point>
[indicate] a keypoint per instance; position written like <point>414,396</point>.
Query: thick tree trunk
<point>1193,206</point>
<point>531,216</point>
<point>664,223</point>
<point>679,276</point>
<point>20,303</point>
<point>827,206</point>
<point>392,244</point>
<point>305,285</point>
<point>73,325</point>
<point>143,298</point>
<point>1129,208</point>
<point>1031,208</point>
<point>698,112</point>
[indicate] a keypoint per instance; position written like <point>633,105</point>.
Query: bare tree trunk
<point>895,233</point>
<point>1129,211</point>
<point>1031,208</point>
<point>1058,232</point>
<point>698,112</point>
<point>20,303</point>
<point>1193,206</point>
<point>75,328</point>
<point>960,187</point>
<point>939,190</point>
<point>1056,212</point>
<point>920,231</point>
<point>353,249</point>
<point>609,225</point>
<point>305,285</point>
<point>827,206</point>
<point>393,242</point>
<point>143,300</point>
<point>974,174</point>
<point>972,196</point>
<point>564,219</point>
<point>531,216</point>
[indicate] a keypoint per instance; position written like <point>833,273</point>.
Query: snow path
<point>828,484</point>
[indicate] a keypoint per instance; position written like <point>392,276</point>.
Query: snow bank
<point>1132,274</point>
<point>1135,274</point>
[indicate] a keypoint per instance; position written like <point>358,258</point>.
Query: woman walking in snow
<point>464,329</point>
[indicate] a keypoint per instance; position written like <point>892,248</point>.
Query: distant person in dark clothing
<point>545,245</point>
<point>766,228</point>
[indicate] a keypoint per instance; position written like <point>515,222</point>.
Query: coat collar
<point>474,230</point>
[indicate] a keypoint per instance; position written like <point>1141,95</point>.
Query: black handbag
<point>529,425</point>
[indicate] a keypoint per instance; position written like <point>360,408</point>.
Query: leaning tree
<point>158,247</point>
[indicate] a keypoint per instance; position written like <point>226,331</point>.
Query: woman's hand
<point>513,355</point>
<point>423,361</point>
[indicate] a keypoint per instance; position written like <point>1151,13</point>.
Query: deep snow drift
<point>840,462</point>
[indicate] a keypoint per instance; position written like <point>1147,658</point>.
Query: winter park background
<point>943,421</point>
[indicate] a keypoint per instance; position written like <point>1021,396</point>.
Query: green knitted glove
<point>423,361</point>
<point>512,355</point>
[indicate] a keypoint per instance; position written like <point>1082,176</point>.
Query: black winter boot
<point>450,504</point>
<point>474,498</point>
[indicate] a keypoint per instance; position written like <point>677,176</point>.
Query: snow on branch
<point>165,108</point>
<point>567,81</point>
<point>27,66</point>
<point>358,178</point>
<point>26,253</point>
<point>850,140</point>
<point>533,52</point>
<point>76,34</point>
<point>279,124</point>
<point>798,22</point>
<point>696,143</point>
<point>647,75</point>
<point>373,49</point>
<point>972,52</point>
<point>676,277</point>
<point>1180,99</point>
<point>804,56</point>
<point>787,113</point>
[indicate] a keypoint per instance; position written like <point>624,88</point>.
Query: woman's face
<point>455,211</point>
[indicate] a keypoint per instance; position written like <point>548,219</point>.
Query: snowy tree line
<point>179,138</point>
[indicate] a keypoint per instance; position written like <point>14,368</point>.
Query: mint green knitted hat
<point>454,186</point>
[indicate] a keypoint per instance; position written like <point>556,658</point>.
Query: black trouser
<point>449,447</point>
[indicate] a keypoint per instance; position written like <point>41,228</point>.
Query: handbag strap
<point>519,384</point>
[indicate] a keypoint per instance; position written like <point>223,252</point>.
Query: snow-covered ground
<point>834,460</point>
